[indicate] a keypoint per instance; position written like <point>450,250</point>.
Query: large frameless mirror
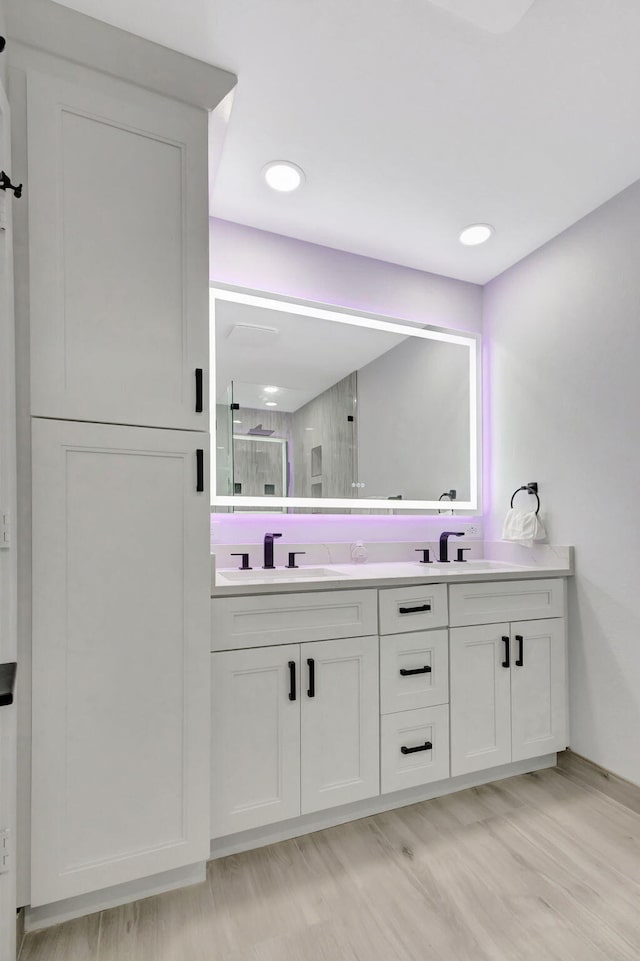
<point>319,408</point>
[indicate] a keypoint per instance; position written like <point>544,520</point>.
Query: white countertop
<point>314,577</point>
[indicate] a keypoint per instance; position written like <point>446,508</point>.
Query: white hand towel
<point>525,527</point>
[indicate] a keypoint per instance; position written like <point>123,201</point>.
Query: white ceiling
<point>411,121</point>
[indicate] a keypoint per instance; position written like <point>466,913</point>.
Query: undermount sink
<point>467,567</point>
<point>280,574</point>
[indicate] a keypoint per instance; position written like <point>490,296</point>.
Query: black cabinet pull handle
<point>292,680</point>
<point>414,610</point>
<point>198,390</point>
<point>507,650</point>
<point>414,750</point>
<point>7,683</point>
<point>416,670</point>
<point>311,664</point>
<point>200,470</point>
<point>520,658</point>
<point>5,184</point>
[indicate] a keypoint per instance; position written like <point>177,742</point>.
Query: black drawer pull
<point>520,658</point>
<point>311,664</point>
<point>507,650</point>
<point>292,680</point>
<point>414,750</point>
<point>416,670</point>
<point>200,470</point>
<point>199,397</point>
<point>414,610</point>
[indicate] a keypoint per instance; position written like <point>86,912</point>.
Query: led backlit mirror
<point>318,408</point>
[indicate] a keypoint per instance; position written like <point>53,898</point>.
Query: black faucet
<point>444,544</point>
<point>268,551</point>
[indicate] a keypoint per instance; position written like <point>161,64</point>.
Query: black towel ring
<point>530,489</point>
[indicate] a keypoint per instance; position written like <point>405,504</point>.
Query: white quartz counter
<point>231,581</point>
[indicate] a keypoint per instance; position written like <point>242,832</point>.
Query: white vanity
<point>336,698</point>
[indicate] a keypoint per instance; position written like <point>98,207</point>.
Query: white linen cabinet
<point>115,247</point>
<point>120,656</point>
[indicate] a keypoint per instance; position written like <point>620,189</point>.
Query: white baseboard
<point>46,915</point>
<point>308,823</point>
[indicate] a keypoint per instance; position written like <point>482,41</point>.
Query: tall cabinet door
<point>255,747</point>
<point>118,241</point>
<point>8,556</point>
<point>480,698</point>
<point>340,722</point>
<point>538,688</point>
<point>120,656</point>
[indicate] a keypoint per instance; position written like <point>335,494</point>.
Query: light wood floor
<point>533,868</point>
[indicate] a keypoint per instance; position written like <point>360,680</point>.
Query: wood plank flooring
<point>539,867</point>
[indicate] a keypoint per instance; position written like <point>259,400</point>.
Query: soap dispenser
<point>359,553</point>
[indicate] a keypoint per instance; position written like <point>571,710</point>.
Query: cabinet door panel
<point>538,688</point>
<point>480,699</point>
<point>118,253</point>
<point>255,738</point>
<point>340,723</point>
<point>8,558</point>
<point>120,656</point>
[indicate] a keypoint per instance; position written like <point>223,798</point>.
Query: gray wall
<point>258,462</point>
<point>563,399</point>
<point>334,434</point>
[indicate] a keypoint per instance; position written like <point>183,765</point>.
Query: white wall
<point>562,330</point>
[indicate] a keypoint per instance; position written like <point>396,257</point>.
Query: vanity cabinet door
<point>538,688</point>
<point>120,750</point>
<point>340,722</point>
<point>255,777</point>
<point>118,241</point>
<point>480,698</point>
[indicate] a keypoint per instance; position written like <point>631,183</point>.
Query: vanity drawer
<point>491,602</point>
<point>414,729</point>
<point>427,654</point>
<point>269,619</point>
<point>412,608</point>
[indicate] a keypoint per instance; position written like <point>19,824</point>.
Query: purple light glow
<point>328,528</point>
<point>487,489</point>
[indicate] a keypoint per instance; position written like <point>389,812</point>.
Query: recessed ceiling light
<point>308,428</point>
<point>271,390</point>
<point>237,422</point>
<point>284,176</point>
<point>475,234</point>
<point>270,403</point>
